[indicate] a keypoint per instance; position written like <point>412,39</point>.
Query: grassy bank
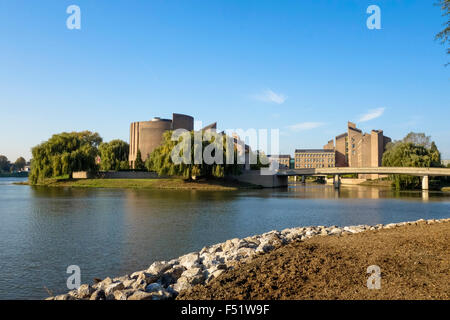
<point>377,183</point>
<point>169,183</point>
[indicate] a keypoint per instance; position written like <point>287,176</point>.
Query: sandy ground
<point>414,262</point>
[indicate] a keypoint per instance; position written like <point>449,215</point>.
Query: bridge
<point>336,172</point>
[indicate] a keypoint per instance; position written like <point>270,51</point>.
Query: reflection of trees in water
<point>56,192</point>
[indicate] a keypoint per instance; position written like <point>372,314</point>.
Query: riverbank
<point>297,263</point>
<point>414,260</point>
<point>169,183</point>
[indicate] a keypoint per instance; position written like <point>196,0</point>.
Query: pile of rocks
<point>165,279</point>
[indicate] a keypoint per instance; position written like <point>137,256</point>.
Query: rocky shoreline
<point>166,279</point>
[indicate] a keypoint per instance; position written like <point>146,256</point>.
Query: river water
<point>112,232</point>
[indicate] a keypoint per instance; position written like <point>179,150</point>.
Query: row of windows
<point>309,155</point>
<point>314,160</point>
<point>314,166</point>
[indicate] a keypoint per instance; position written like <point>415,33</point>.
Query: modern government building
<point>350,149</point>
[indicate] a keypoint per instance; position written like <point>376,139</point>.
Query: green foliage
<point>20,163</point>
<point>444,35</point>
<point>418,139</point>
<point>63,154</point>
<point>4,164</point>
<point>262,161</point>
<point>408,154</point>
<point>138,163</point>
<point>160,160</point>
<point>114,155</point>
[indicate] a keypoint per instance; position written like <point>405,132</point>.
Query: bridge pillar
<point>337,181</point>
<point>425,183</point>
<point>303,179</point>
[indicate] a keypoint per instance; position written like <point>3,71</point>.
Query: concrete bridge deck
<point>338,171</point>
<point>374,170</point>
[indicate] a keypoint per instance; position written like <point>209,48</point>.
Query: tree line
<point>69,152</point>
<point>66,153</point>
<point>414,150</point>
<point>7,167</point>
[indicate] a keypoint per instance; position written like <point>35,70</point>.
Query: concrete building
<point>357,149</point>
<point>283,159</point>
<point>314,158</point>
<point>147,135</point>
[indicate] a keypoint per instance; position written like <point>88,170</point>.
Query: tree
<point>20,163</point>
<point>138,163</point>
<point>405,153</point>
<point>64,154</point>
<point>419,139</point>
<point>114,155</point>
<point>4,163</point>
<point>444,35</point>
<point>161,162</point>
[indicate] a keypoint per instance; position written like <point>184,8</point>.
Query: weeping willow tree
<point>114,155</point>
<point>223,156</point>
<point>64,154</point>
<point>412,151</point>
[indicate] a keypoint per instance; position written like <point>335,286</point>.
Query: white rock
<point>190,260</point>
<point>114,287</point>
<point>159,267</point>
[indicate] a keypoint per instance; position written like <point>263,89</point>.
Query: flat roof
<point>313,150</point>
<point>279,156</point>
<point>342,135</point>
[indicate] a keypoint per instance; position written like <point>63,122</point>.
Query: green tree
<point>114,155</point>
<point>444,35</point>
<point>4,163</point>
<point>160,159</point>
<point>138,163</point>
<point>408,154</point>
<point>64,154</point>
<point>419,139</point>
<point>20,163</point>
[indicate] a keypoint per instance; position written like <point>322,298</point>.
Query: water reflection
<point>110,232</point>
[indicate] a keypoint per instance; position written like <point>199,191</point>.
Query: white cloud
<point>372,114</point>
<point>305,126</point>
<point>270,96</point>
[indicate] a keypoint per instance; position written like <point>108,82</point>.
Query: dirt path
<point>414,262</point>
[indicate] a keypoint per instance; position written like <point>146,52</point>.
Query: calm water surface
<point>112,232</point>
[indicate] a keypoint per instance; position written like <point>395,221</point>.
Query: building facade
<point>284,160</point>
<point>146,136</point>
<point>357,149</point>
<point>314,158</point>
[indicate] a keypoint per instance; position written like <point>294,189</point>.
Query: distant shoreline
<point>14,175</point>
<point>167,184</point>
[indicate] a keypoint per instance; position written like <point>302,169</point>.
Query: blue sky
<point>304,67</point>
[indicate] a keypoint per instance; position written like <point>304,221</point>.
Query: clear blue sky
<point>304,66</point>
